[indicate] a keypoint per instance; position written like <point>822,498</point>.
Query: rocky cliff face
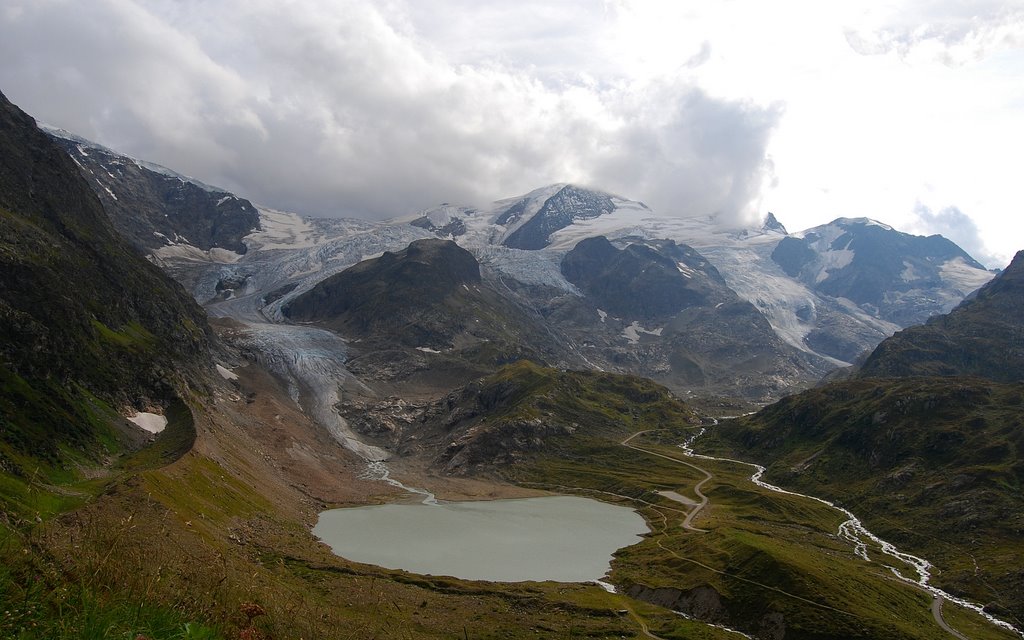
<point>80,312</point>
<point>425,311</point>
<point>660,309</point>
<point>154,207</point>
<point>398,292</point>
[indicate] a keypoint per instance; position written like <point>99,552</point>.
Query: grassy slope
<point>154,549</point>
<point>931,464</point>
<point>768,557</point>
<point>178,549</point>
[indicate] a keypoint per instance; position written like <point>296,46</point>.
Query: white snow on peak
<point>633,331</point>
<point>822,240</point>
<point>57,132</point>
<point>869,222</point>
<point>839,226</point>
<point>84,144</point>
<point>534,201</point>
<point>444,215</point>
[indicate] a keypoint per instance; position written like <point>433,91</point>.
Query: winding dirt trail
<point>937,614</point>
<point>693,513</point>
<point>689,515</point>
<point>687,522</point>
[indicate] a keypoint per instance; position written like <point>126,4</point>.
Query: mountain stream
<point>853,531</point>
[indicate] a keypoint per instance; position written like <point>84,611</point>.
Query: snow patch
<point>226,373</point>
<point>444,215</point>
<point>188,252</point>
<point>151,422</point>
<point>536,268</point>
<point>633,331</point>
<point>685,270</point>
<point>603,315</point>
<point>963,276</point>
<point>909,274</point>
<point>427,350</point>
<point>833,260</point>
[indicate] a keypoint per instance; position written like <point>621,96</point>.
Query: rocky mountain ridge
<point>84,320</point>
<point>982,337</point>
<point>896,276</point>
<point>157,209</point>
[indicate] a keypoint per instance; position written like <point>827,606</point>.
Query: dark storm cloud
<point>343,107</point>
<point>691,154</point>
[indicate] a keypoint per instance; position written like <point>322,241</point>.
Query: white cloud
<point>954,224</point>
<point>352,107</point>
<point>810,109</point>
<point>952,33</point>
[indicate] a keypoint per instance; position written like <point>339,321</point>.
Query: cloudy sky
<point>908,112</point>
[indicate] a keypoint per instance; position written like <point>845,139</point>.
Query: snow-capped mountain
<point>895,276</point>
<point>160,211</point>
<point>831,301</point>
<point>824,296</point>
<point>524,222</point>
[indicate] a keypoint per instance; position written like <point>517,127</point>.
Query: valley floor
<point>172,549</point>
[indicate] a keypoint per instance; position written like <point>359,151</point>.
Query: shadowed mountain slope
<point>82,316</point>
<point>982,337</point>
<point>154,207</point>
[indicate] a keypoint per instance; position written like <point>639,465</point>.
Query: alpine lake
<point>558,538</point>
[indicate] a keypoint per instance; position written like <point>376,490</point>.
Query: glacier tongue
<point>312,361</point>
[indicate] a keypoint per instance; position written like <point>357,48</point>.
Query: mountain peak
<point>862,221</point>
<point>567,205</point>
<point>771,223</point>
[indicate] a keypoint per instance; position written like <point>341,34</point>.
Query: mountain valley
<point>562,342</point>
